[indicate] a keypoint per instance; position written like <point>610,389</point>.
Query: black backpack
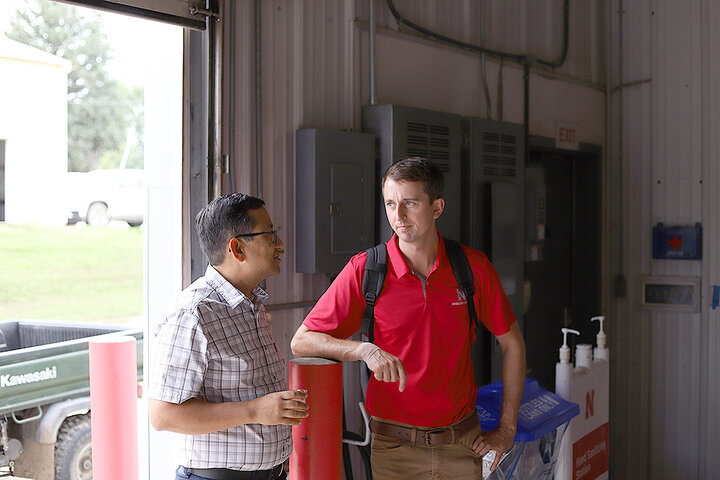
<point>376,268</point>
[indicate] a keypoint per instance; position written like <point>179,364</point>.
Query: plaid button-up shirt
<point>216,345</point>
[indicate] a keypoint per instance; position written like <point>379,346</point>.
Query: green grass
<point>91,274</point>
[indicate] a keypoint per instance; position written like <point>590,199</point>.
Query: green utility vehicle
<point>45,397</point>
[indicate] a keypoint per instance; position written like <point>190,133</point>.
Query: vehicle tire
<point>97,214</point>
<point>73,449</point>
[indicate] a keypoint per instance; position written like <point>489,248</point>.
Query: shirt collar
<point>400,266</point>
<point>232,295</point>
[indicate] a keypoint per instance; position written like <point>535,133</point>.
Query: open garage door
<point>185,13</point>
<point>203,74</point>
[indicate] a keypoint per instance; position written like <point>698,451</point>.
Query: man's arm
<point>386,367</point>
<point>195,417</point>
<point>501,439</point>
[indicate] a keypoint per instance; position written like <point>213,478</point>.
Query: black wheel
<point>73,449</point>
<point>97,214</point>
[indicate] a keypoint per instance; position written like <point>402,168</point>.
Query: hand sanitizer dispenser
<point>585,447</point>
<point>564,369</point>
<point>601,351</point>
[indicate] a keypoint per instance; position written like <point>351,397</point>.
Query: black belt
<point>229,474</point>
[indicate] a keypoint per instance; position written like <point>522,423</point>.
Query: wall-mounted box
<point>403,132</point>
<point>493,206</point>
<point>677,243</point>
<point>671,294</point>
<point>334,193</point>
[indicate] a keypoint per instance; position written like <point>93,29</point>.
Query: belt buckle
<point>428,433</point>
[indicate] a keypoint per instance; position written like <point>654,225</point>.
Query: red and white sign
<point>566,136</point>
<point>590,454</point>
<point>584,452</point>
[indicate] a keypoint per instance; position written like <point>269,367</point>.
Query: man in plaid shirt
<point>217,376</point>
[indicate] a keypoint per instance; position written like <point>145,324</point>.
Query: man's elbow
<point>157,415</point>
<point>296,345</point>
<point>300,345</point>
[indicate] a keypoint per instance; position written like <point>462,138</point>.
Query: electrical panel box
<point>494,210</point>
<point>494,202</point>
<point>670,294</point>
<point>334,192</point>
<point>535,212</point>
<point>403,132</point>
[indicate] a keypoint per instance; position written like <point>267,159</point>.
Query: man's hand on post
<point>281,408</point>
<point>386,367</point>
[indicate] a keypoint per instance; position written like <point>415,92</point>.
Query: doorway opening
<point>2,180</point>
<point>68,254</point>
<point>563,195</point>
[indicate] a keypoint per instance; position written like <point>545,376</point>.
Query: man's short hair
<point>222,219</point>
<point>417,169</point>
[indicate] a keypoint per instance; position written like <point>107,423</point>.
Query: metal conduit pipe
<point>212,113</point>
<point>371,34</point>
<point>228,159</point>
<point>526,108</point>
<point>620,281</point>
<point>525,60</point>
<point>442,38</point>
<point>522,59</point>
<point>216,82</point>
<point>258,100</point>
<point>488,103</point>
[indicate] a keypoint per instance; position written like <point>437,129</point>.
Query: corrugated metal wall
<point>665,392</point>
<point>709,23</point>
<point>664,414</point>
<point>512,26</point>
<point>306,81</point>
<point>313,75</point>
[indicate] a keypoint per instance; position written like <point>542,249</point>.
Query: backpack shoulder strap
<point>375,269</point>
<point>463,275</point>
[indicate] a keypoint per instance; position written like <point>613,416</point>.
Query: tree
<point>100,110</point>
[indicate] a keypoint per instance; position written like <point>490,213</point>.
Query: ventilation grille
<point>429,141</point>
<point>499,153</point>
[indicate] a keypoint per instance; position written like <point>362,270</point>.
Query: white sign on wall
<point>566,136</point>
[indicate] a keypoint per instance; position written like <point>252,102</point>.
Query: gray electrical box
<point>413,132</point>
<point>334,193</point>
<point>494,205</point>
<point>535,212</point>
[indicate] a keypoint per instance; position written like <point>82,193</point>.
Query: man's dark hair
<point>222,219</point>
<point>417,169</point>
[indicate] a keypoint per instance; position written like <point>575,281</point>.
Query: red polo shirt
<point>426,326</point>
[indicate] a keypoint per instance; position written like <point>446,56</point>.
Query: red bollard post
<point>113,402</point>
<point>317,441</point>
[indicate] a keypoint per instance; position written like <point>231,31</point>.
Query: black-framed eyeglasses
<point>269,232</point>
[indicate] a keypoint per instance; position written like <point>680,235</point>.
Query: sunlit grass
<point>74,273</point>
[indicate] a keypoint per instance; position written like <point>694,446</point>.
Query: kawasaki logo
<point>8,380</point>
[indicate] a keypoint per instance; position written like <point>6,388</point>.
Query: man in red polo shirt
<point>422,394</point>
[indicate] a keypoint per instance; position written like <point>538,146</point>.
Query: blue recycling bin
<point>542,421</point>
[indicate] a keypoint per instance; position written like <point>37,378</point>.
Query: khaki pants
<point>394,459</point>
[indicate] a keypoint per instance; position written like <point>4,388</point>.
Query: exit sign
<point>566,136</point>
<point>679,243</point>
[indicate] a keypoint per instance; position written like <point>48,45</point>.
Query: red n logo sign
<point>589,404</point>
